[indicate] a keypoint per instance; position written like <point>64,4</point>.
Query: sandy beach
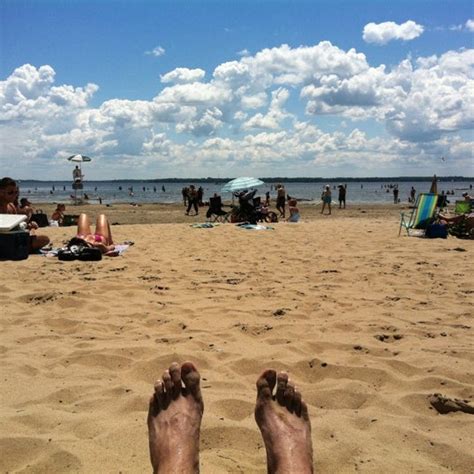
<point>367,324</point>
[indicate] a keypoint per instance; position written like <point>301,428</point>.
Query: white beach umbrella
<point>238,184</point>
<point>79,158</point>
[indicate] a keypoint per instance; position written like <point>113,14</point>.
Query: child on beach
<point>326,198</point>
<point>58,214</point>
<point>294,211</point>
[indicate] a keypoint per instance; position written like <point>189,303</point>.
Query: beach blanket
<point>254,226</point>
<point>119,250</point>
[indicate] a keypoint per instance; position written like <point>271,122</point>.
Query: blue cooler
<point>14,245</point>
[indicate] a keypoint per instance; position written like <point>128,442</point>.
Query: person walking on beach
<point>192,196</point>
<point>412,194</point>
<point>395,194</point>
<point>342,195</point>
<point>281,199</point>
<point>184,193</point>
<point>326,198</point>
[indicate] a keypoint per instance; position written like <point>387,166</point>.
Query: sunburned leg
<point>174,420</point>
<point>102,227</point>
<point>284,423</point>
<point>83,225</point>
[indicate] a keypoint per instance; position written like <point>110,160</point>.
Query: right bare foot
<point>174,420</point>
<point>284,423</point>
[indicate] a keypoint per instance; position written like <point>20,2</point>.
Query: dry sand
<point>368,325</point>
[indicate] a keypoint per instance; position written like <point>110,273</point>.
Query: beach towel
<point>119,250</point>
<point>204,225</point>
<point>254,226</point>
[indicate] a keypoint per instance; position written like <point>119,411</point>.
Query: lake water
<point>170,192</point>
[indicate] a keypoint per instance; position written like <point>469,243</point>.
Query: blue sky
<point>201,88</point>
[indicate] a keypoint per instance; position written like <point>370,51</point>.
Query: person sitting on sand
<point>176,408</point>
<point>326,198</point>
<point>294,211</point>
<point>26,208</point>
<point>459,226</point>
<point>101,238</point>
<point>58,214</point>
<point>8,196</point>
<point>281,199</point>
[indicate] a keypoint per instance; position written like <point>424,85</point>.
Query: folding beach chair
<point>422,213</point>
<point>215,213</point>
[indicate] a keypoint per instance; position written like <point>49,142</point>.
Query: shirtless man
<point>176,409</point>
<point>8,195</point>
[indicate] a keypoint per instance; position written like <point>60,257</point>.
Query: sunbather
<point>101,238</point>
<point>8,196</point>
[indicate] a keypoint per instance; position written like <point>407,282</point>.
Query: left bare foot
<point>174,420</point>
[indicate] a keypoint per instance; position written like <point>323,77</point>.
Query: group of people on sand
<point>100,238</point>
<point>326,197</point>
<point>192,198</point>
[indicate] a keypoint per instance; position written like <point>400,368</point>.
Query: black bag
<point>40,218</point>
<point>437,231</point>
<point>14,245</point>
<point>79,249</point>
<point>70,219</point>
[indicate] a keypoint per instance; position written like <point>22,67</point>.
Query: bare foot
<point>284,423</point>
<point>174,420</point>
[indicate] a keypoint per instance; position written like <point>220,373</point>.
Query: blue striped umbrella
<point>238,184</point>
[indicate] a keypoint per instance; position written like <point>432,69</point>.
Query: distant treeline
<point>393,179</point>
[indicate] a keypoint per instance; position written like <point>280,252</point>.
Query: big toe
<point>265,384</point>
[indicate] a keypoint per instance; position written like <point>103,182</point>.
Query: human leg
<point>37,242</point>
<point>102,227</point>
<point>284,423</point>
<point>83,225</point>
<point>174,420</point>
<point>190,204</point>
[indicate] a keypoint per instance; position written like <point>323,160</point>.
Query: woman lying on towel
<point>101,238</point>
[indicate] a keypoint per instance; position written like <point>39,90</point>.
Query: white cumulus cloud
<point>382,33</point>
<point>183,75</point>
<point>470,25</point>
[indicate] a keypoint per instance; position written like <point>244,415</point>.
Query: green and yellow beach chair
<point>462,207</point>
<point>422,213</point>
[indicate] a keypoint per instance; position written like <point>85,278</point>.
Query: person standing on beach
<point>184,193</point>
<point>412,194</point>
<point>192,200</point>
<point>342,195</point>
<point>395,194</point>
<point>326,198</point>
<point>281,199</point>
<point>200,195</point>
